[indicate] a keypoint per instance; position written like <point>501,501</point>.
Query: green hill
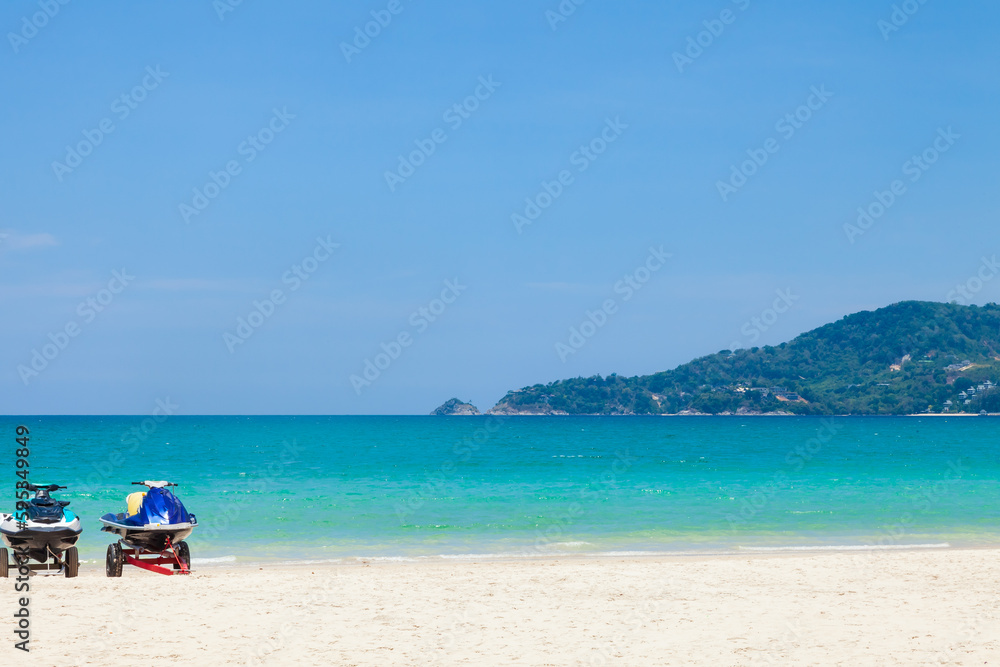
<point>906,358</point>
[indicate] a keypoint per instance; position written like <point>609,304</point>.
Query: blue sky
<point>593,117</point>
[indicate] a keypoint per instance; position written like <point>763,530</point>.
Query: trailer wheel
<point>113,567</point>
<point>183,554</point>
<point>3,563</point>
<point>71,560</point>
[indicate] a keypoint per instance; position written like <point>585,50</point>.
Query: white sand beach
<point>852,608</point>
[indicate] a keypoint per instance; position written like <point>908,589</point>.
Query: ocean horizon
<point>315,488</point>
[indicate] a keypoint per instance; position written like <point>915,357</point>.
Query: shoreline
<point>655,556</point>
<point>231,562</point>
<point>353,562</point>
<point>956,414</point>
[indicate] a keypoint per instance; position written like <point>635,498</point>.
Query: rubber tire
<point>71,562</point>
<point>3,563</point>
<point>113,565</point>
<point>184,554</point>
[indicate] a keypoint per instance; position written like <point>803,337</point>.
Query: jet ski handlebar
<point>155,484</point>
<point>50,487</point>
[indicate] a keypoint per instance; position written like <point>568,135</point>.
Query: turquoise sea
<point>325,488</point>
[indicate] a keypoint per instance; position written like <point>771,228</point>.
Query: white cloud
<point>11,240</point>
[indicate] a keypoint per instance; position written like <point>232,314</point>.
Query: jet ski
<point>156,523</point>
<point>48,530</point>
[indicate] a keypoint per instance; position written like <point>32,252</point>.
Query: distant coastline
<point>912,358</point>
<point>721,414</point>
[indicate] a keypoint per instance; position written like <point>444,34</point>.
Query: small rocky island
<point>455,407</point>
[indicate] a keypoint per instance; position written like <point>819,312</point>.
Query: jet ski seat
<point>45,512</point>
<point>134,502</point>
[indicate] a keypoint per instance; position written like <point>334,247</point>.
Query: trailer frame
<point>122,553</point>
